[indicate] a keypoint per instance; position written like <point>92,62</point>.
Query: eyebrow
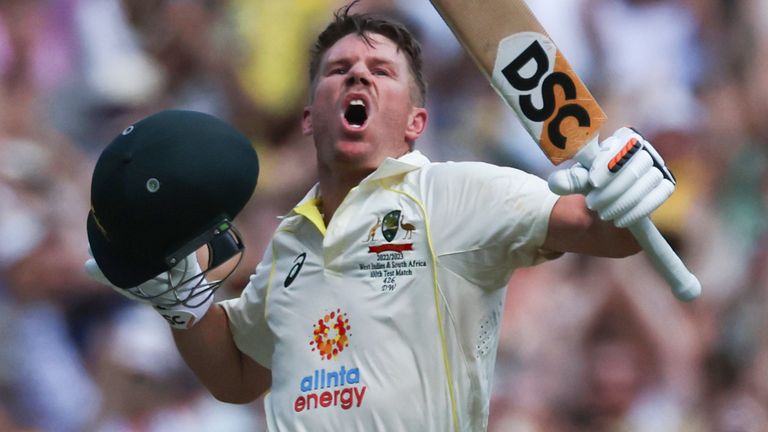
<point>383,61</point>
<point>376,61</point>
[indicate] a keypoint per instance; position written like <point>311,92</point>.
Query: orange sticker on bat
<point>553,104</point>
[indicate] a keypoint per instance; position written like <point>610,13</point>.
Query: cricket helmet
<point>166,186</point>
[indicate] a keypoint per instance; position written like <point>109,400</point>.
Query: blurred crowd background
<point>586,344</point>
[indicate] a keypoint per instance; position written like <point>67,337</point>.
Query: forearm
<point>575,228</point>
<point>605,239</point>
<point>210,351</point>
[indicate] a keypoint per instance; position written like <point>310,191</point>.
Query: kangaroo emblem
<point>372,231</point>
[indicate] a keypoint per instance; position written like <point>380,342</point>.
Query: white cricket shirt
<point>387,320</point>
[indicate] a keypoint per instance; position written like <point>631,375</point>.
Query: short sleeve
<point>491,219</point>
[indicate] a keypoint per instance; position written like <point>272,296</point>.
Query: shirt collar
<point>392,167</point>
<point>309,205</point>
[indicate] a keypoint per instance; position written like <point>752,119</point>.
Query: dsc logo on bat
<point>553,104</point>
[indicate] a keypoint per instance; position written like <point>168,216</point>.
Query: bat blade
<point>525,67</point>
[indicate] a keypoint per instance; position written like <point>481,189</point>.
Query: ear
<point>306,122</point>
<point>417,123</point>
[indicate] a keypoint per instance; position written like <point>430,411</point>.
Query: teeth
<point>356,113</point>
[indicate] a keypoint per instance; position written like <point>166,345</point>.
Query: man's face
<point>362,108</point>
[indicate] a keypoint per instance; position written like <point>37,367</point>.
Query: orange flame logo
<point>330,335</point>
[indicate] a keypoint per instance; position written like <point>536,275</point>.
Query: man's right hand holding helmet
<point>181,295</point>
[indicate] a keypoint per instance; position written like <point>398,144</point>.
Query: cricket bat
<point>525,67</point>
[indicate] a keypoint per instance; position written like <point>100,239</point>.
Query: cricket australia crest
<point>393,261</point>
<point>390,225</point>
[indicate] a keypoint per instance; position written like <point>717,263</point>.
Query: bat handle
<point>685,286</point>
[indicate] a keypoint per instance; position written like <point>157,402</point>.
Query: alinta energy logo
<point>336,386</point>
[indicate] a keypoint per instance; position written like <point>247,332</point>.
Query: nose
<point>358,74</point>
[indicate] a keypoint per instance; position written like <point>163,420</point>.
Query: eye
<point>381,72</point>
<point>338,71</point>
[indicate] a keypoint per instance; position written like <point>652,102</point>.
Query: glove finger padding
<point>632,196</point>
<point>629,179</point>
<point>648,205</point>
<point>637,178</point>
<point>569,181</point>
<point>166,289</point>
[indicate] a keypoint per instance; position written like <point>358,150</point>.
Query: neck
<point>334,187</point>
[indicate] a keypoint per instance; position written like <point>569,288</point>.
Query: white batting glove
<point>627,181</point>
<point>180,295</point>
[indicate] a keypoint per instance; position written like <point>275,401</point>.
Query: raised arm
<point>210,351</point>
<point>200,329</point>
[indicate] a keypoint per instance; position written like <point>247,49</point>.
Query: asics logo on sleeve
<point>297,264</point>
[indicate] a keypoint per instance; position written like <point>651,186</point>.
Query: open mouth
<point>356,113</point>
